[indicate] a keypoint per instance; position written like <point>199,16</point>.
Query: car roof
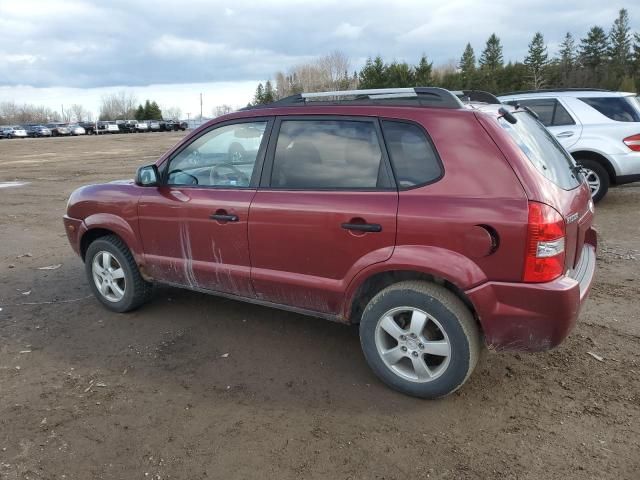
<point>573,93</point>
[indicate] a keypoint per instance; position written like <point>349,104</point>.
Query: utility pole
<point>200,107</point>
<point>62,106</point>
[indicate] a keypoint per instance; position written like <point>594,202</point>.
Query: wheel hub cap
<point>108,276</point>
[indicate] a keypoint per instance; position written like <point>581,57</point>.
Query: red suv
<point>436,225</point>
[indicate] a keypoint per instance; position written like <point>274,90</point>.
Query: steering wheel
<point>194,180</point>
<point>214,176</point>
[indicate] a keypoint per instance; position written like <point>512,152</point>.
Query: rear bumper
<point>533,317</point>
<point>625,164</point>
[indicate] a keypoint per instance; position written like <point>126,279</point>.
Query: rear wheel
<point>420,339</point>
<point>114,276</point>
<point>597,178</point>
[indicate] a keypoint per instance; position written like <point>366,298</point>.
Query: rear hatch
<point>551,177</point>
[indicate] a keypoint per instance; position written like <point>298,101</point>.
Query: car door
<point>194,226</point>
<point>325,209</point>
<point>556,117</point>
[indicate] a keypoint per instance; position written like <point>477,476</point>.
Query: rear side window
<point>549,110</point>
<point>543,150</point>
<point>328,154</point>
<point>413,157</point>
<point>615,108</point>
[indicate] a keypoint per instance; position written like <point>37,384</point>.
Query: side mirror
<point>148,176</point>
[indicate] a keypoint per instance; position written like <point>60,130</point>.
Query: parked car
<point>168,126</point>
<point>34,131</point>
<point>181,126</point>
<point>89,127</point>
<point>59,129</point>
<point>77,130</point>
<point>435,226</point>
<point>125,126</point>
<point>600,128</point>
<point>14,132</point>
<point>139,126</point>
<point>153,125</point>
<point>107,127</point>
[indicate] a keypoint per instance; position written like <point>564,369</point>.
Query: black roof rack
<point>552,90</point>
<point>420,96</point>
<point>476,96</point>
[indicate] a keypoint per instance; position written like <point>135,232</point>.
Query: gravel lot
<point>86,394</point>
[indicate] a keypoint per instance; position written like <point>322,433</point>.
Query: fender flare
<point>117,225</point>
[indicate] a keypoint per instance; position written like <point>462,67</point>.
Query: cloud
<point>88,44</point>
<point>346,30</point>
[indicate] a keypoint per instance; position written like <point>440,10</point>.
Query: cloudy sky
<point>73,51</point>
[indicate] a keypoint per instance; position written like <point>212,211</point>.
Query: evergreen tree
<point>400,74</point>
<point>139,113</point>
<point>154,112</point>
<point>258,98</point>
<point>636,60</point>
<point>423,72</point>
<point>593,55</point>
<point>568,50</point>
<point>491,58</point>
<point>536,61</point>
<point>269,94</point>
<point>373,74</point>
<point>467,66</point>
<point>147,110</point>
<point>620,44</point>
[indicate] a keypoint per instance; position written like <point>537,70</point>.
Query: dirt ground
<point>85,393</point>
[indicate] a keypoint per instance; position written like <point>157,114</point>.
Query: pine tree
<point>594,48</point>
<point>258,98</point>
<point>423,72</point>
<point>400,75</point>
<point>536,61</point>
<point>636,60</point>
<point>491,58</point>
<point>147,110</point>
<point>568,50</point>
<point>139,113</point>
<point>593,56</point>
<point>373,74</point>
<point>467,66</point>
<point>620,44</point>
<point>154,112</point>
<point>269,94</point>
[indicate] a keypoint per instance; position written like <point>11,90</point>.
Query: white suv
<point>600,128</point>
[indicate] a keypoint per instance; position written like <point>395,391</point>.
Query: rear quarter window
<point>619,109</point>
<point>413,157</point>
<point>543,150</point>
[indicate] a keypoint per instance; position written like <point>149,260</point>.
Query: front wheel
<point>420,339</point>
<point>114,276</point>
<point>597,178</point>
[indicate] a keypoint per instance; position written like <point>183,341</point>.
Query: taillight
<point>545,244</point>
<point>633,142</point>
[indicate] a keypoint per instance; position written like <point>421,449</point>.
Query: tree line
<point>600,59</point>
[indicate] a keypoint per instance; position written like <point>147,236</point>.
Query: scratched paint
<point>185,247</point>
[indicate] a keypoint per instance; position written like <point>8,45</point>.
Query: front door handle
<point>223,217</point>
<point>363,227</point>
<point>565,134</point>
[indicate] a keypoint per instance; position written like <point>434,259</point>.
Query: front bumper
<point>533,316</point>
<point>74,228</point>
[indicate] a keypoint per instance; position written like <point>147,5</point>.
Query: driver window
<point>223,157</point>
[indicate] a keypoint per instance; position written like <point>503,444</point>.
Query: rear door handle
<point>564,134</point>
<point>363,227</point>
<point>223,217</point>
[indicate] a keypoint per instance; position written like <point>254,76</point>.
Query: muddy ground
<point>86,394</point>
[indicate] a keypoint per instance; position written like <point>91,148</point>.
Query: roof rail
<point>552,90</point>
<point>476,96</point>
<point>421,96</point>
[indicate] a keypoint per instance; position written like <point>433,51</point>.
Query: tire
<point>450,333</point>
<point>135,290</point>
<point>597,178</point>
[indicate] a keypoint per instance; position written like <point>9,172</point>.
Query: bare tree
<point>220,110</point>
<point>171,113</point>
<point>78,112</point>
<point>119,105</point>
<point>10,112</point>
<point>329,72</point>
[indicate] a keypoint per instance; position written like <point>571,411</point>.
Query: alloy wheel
<point>413,344</point>
<point>108,276</point>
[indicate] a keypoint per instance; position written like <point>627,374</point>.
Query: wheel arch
<point>376,282</point>
<point>102,224</point>
<point>597,157</point>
